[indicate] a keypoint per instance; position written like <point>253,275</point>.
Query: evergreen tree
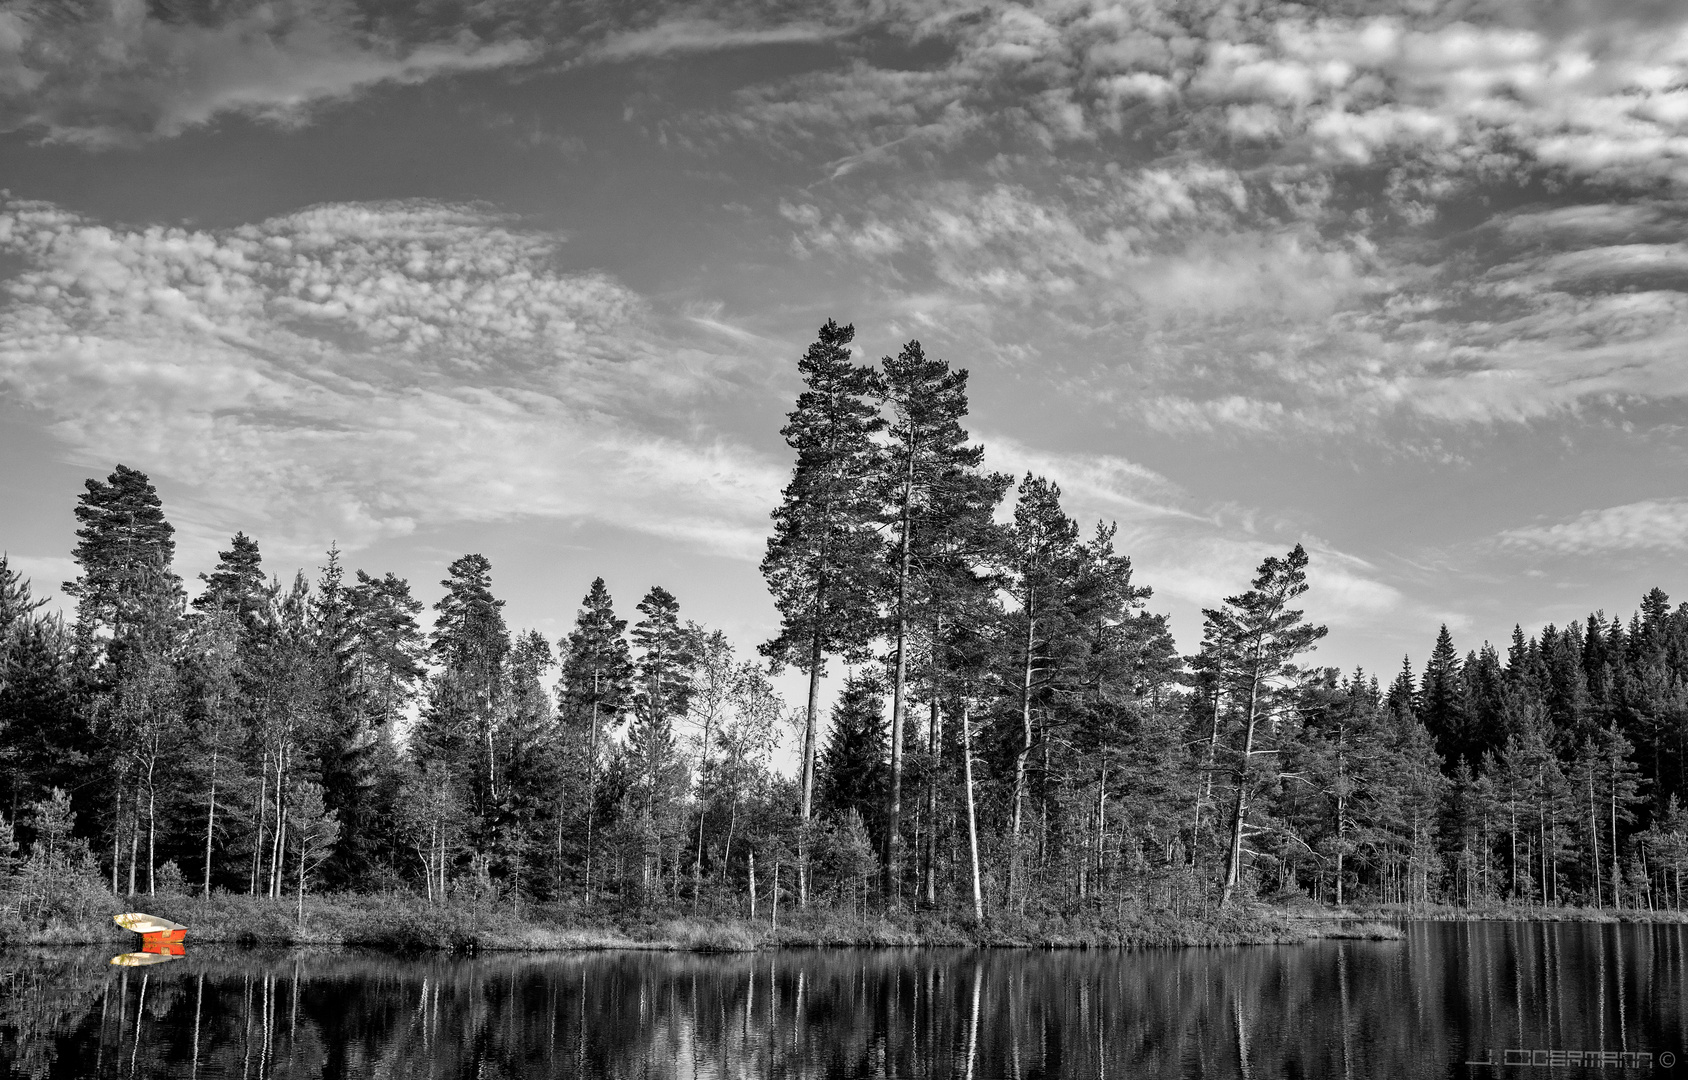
<point>929,480</point>
<point>125,548</point>
<point>17,605</point>
<point>238,584</point>
<point>466,699</point>
<point>663,689</point>
<point>533,769</point>
<point>823,561</point>
<point>388,649</point>
<point>1485,702</point>
<point>1258,636</point>
<point>44,736</point>
<point>594,693</point>
<point>1442,705</point>
<point>853,766</point>
<point>1042,553</point>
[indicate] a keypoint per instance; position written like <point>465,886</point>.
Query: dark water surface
<point>1425,1006</point>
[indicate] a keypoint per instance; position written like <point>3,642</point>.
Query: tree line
<point>1014,733</point>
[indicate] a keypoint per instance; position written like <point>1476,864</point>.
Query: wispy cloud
<point>1651,524</point>
<point>359,371</point>
<point>115,72</point>
<point>689,34</point>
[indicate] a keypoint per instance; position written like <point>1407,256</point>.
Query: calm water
<point>1446,995</point>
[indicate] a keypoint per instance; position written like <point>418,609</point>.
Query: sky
<point>1404,283</point>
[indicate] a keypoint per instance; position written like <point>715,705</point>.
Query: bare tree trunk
<point>1617,875</point>
<point>1101,826</point>
<point>302,847</point>
<point>1020,757</point>
<point>152,824</point>
<point>135,842</point>
<point>263,805</point>
<point>894,803</point>
<point>210,820</point>
<point>117,835</point>
<point>750,856</point>
<point>1239,811</point>
<point>1206,797</point>
<point>1594,843</point>
<point>972,816</point>
<point>702,813</point>
<point>934,748</point>
<point>591,783</point>
<point>810,719</point>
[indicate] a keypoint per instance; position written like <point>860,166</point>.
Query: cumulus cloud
<point>1283,208</point>
<point>359,371</point>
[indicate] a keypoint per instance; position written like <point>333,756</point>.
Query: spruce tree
<point>594,693</point>
<point>1442,705</point>
<point>852,770</point>
<point>663,689</point>
<point>533,767</point>
<point>823,561</point>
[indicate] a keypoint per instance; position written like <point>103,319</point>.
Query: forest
<point>1013,731</point>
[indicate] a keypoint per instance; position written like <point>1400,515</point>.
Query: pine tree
<point>1258,635</point>
<point>466,699</point>
<point>929,481</point>
<point>388,649</point>
<point>1042,554</point>
<point>125,548</point>
<point>823,561</point>
<point>17,605</point>
<point>238,584</point>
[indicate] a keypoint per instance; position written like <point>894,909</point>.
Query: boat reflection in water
<point>1447,995</point>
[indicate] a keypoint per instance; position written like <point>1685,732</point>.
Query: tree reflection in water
<point>1419,1007</point>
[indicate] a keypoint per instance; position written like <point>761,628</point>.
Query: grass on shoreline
<point>403,923</point>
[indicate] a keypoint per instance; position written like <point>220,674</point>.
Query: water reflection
<point>1448,994</point>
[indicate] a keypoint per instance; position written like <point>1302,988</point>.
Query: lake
<point>1425,1006</point>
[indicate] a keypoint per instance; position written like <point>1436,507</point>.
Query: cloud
<point>1305,221</point>
<point>355,371</point>
<point>1102,486</point>
<point>113,72</point>
<point>694,35</point>
<point>1648,525</point>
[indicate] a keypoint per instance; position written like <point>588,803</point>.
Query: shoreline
<point>402,924</point>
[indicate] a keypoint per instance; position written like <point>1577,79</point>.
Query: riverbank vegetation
<point>403,922</point>
<point>1016,742</point>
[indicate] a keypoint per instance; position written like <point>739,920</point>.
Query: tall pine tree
<point>823,563</point>
<point>929,476</point>
<point>1257,636</point>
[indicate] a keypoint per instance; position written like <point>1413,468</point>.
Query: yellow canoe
<point>142,959</point>
<point>142,923</point>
